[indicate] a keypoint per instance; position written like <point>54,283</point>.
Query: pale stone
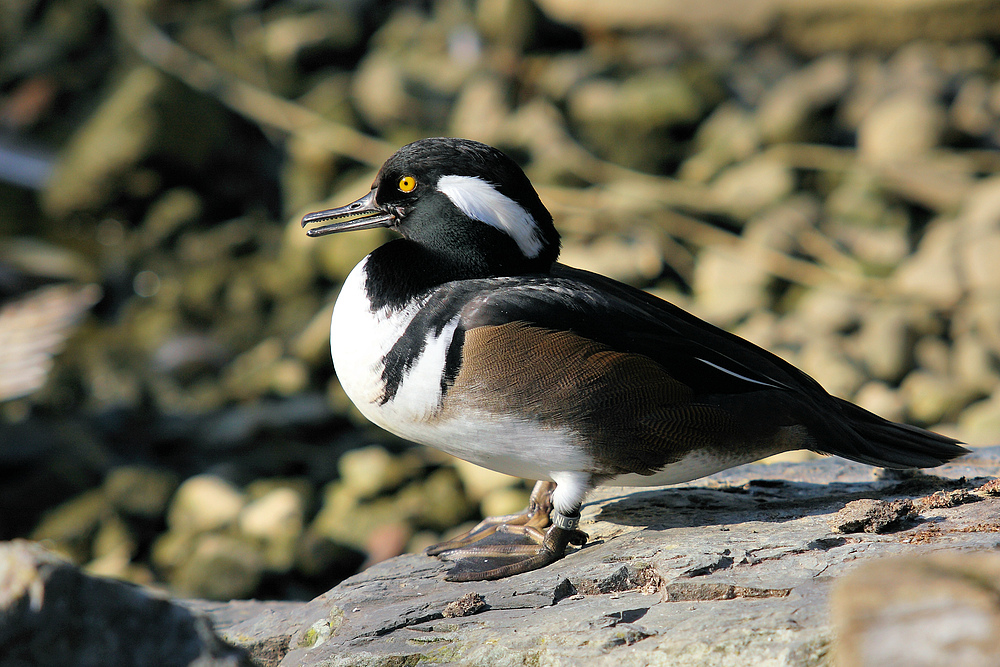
<point>931,274</point>
<point>935,609</point>
<point>748,187</point>
<point>878,397</point>
<point>900,128</point>
<point>728,135</point>
<point>204,503</point>
<point>787,107</point>
<point>140,490</point>
<point>633,261</point>
<point>743,561</point>
<point>824,358</point>
<point>979,423</point>
<point>371,470</point>
<point>480,111</point>
<point>276,521</point>
<point>501,502</point>
<point>479,482</point>
<point>729,283</point>
<point>973,364</point>
<point>219,568</point>
<point>885,342</point>
<point>930,398</point>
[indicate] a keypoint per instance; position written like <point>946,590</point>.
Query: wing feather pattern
<point>632,416</point>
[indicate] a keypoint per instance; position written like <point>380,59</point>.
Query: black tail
<point>867,438</point>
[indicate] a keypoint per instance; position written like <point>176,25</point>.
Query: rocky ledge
<point>787,563</point>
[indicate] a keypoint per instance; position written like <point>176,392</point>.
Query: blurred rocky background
<point>820,177</point>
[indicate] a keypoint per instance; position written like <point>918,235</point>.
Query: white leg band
<point>565,522</point>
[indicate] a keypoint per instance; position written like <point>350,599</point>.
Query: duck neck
<point>402,270</point>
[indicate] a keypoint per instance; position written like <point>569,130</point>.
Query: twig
<point>842,269</point>
<point>778,264</point>
<point>817,157</point>
<point>256,104</point>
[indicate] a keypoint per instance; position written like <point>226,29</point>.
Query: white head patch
<point>481,201</point>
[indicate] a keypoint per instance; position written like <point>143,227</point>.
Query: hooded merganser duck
<point>466,335</point>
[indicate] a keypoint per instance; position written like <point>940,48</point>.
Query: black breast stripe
<point>430,320</point>
<point>493,300</point>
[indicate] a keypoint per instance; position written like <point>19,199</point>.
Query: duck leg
<point>503,546</point>
<point>534,518</point>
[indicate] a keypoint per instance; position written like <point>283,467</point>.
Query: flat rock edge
<point>738,566</point>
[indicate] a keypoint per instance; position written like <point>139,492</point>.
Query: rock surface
<point>53,614</point>
<point>734,569</point>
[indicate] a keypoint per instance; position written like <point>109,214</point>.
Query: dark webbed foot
<point>534,518</point>
<point>506,552</point>
<point>503,546</point>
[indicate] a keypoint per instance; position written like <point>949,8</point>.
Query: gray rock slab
<point>53,614</point>
<point>732,569</point>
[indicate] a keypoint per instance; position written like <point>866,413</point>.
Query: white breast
<point>360,339</point>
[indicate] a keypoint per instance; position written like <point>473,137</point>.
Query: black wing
<point>702,356</point>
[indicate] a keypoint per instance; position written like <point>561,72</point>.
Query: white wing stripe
<point>735,374</point>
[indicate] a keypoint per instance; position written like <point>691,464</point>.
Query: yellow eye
<point>407,183</point>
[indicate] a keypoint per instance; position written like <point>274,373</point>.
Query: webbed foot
<point>503,546</point>
<point>510,550</point>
